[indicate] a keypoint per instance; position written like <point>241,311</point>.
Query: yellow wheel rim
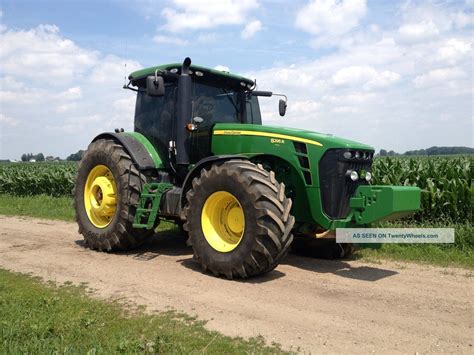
<point>223,221</point>
<point>100,194</point>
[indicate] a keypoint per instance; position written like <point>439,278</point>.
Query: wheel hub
<point>100,196</point>
<point>103,196</point>
<point>235,219</point>
<point>223,221</point>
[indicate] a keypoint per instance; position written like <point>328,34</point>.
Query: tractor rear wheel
<point>238,219</point>
<point>106,194</point>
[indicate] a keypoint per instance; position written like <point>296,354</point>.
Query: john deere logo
<point>277,141</point>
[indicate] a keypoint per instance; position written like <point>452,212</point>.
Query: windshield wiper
<point>231,100</point>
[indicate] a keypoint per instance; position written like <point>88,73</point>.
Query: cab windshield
<point>222,105</point>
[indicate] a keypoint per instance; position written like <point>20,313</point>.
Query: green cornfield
<point>447,182</point>
<point>45,178</point>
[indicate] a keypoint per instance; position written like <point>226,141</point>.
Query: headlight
<point>368,176</point>
<point>353,175</point>
<point>347,155</point>
<point>357,155</point>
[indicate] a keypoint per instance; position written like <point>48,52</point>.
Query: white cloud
<point>454,50</point>
<point>222,68</point>
<point>112,70</point>
<point>425,21</point>
<point>330,18</point>
<point>6,120</point>
<point>193,15</point>
<point>66,93</point>
<point>416,32</point>
<point>364,75</point>
<point>41,53</point>
<point>461,19</point>
<point>73,93</point>
<point>66,107</point>
<point>438,77</point>
<point>368,88</point>
<point>160,39</point>
<point>207,37</point>
<point>304,107</point>
<point>251,29</point>
<point>350,99</point>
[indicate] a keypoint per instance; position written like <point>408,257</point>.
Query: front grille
<point>336,187</point>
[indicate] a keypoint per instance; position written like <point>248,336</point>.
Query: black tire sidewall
<point>208,254</point>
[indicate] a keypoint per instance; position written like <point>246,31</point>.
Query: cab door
<point>211,105</point>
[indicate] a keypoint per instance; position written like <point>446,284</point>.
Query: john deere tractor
<point>199,155</point>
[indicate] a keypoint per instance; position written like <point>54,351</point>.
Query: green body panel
<point>149,147</point>
<point>378,203</point>
<point>266,142</point>
<point>151,71</point>
<point>147,211</point>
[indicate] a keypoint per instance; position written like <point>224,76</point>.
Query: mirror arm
<point>286,99</point>
<point>127,87</point>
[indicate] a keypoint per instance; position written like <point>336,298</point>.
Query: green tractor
<point>199,155</point>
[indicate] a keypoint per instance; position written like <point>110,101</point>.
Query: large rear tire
<point>238,219</point>
<point>106,194</point>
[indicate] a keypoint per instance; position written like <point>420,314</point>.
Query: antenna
<point>125,66</point>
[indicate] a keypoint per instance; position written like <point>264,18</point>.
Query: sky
<point>395,75</point>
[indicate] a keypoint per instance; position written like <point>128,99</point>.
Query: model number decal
<point>277,141</point>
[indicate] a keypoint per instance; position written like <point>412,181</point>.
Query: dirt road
<point>310,304</point>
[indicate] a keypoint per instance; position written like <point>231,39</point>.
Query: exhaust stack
<point>184,113</point>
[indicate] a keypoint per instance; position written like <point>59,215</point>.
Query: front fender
<point>196,170</point>
<point>138,146</point>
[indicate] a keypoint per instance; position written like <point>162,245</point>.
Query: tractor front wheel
<point>106,194</point>
<point>238,219</point>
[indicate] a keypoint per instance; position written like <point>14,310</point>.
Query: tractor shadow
<point>338,267</point>
<point>169,242</point>
<point>312,255</point>
<point>173,243</point>
<point>269,276</point>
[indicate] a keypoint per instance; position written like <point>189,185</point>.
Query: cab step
<point>149,204</point>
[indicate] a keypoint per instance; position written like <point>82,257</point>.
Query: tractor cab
<point>215,97</point>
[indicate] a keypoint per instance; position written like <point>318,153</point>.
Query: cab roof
<point>207,73</point>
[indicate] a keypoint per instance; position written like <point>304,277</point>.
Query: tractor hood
<point>326,141</point>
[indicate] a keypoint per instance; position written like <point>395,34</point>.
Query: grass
<point>39,318</point>
<point>40,206</point>
<point>43,206</point>
<point>459,254</point>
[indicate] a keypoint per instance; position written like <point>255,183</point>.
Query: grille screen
<point>336,187</point>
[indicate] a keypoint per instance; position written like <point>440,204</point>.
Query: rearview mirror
<point>155,85</point>
<point>282,107</point>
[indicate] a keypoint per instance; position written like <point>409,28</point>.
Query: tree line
<point>40,157</point>
<point>429,151</point>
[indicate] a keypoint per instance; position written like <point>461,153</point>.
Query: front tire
<point>106,194</point>
<point>238,219</point>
